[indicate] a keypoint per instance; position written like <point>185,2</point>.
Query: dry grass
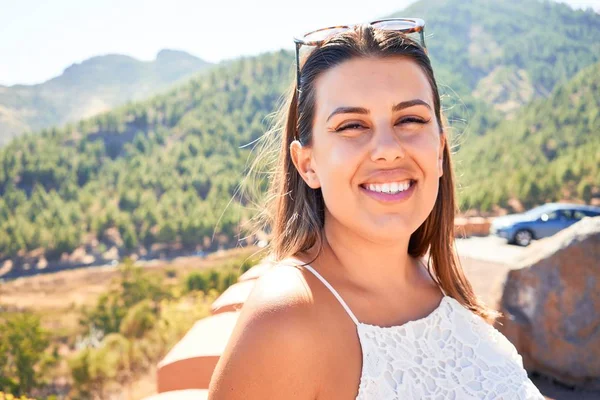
<point>66,290</point>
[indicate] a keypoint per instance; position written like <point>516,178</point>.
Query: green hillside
<point>166,170</point>
<point>549,151</point>
<point>89,88</point>
<point>161,171</point>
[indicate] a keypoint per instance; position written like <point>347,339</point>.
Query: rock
<point>111,254</point>
<point>551,303</point>
<point>5,267</point>
<point>77,255</point>
<point>88,259</point>
<point>41,263</point>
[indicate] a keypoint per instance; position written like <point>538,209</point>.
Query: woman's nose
<point>387,146</point>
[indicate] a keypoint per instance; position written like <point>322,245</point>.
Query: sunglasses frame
<point>419,27</point>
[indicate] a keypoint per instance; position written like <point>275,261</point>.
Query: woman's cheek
<point>424,149</point>
<point>341,159</point>
<point>337,176</point>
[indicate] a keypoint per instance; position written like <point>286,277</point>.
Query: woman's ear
<point>302,159</point>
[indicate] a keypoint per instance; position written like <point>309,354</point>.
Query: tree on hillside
<point>22,351</point>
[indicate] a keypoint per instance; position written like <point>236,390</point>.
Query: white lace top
<point>450,354</point>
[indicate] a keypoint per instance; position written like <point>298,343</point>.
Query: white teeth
<point>390,188</point>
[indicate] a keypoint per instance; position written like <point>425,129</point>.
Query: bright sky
<point>39,39</point>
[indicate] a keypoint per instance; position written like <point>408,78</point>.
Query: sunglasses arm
<point>298,66</point>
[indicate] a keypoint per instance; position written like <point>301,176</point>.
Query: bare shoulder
<point>273,351</point>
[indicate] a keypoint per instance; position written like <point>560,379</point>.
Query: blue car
<point>540,222</point>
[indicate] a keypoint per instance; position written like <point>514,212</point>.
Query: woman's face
<point>376,150</point>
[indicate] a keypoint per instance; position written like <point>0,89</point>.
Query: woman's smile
<point>392,192</point>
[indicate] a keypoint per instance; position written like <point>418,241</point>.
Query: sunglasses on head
<point>319,36</point>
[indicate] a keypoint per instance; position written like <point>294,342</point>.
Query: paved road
<point>489,248</point>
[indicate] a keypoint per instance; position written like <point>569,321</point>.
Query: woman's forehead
<point>362,82</point>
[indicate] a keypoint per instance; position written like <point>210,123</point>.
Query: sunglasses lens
<point>395,25</point>
<point>322,34</point>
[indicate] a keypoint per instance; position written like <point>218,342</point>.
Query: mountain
<point>548,152</point>
<point>166,170</point>
<point>94,86</point>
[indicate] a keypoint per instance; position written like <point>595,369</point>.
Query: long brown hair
<point>294,212</point>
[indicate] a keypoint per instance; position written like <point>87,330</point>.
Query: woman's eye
<point>409,120</point>
<point>349,126</point>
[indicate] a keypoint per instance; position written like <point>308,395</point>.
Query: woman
<point>363,190</point>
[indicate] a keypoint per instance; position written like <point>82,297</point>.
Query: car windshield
<point>538,211</point>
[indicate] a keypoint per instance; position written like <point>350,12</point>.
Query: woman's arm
<point>273,350</point>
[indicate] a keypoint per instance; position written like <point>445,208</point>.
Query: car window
<point>577,214</point>
<point>565,214</point>
<point>592,213</point>
<point>552,215</point>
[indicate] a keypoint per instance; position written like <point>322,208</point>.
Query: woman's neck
<point>367,263</point>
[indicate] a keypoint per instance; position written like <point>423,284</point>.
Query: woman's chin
<point>389,231</point>
<point>392,228</point>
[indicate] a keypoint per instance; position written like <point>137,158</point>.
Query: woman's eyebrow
<point>411,103</point>
<point>362,110</point>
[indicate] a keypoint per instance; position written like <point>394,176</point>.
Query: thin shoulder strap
<point>335,293</point>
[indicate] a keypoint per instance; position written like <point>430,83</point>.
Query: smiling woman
<point>363,190</point>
